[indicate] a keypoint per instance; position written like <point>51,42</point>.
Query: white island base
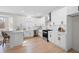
<point>16,39</point>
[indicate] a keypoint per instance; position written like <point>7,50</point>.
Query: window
<point>2,22</point>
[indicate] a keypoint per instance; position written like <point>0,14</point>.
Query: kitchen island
<point>17,37</point>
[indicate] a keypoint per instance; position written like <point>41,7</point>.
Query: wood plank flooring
<point>34,45</point>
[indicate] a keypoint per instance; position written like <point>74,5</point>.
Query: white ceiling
<point>29,10</point>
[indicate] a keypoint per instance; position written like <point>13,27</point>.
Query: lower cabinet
<point>50,36</point>
<point>28,33</point>
<point>58,38</point>
<point>40,33</point>
<point>16,39</point>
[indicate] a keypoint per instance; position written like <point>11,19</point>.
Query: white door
<point>75,35</point>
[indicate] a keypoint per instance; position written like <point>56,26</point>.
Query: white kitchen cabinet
<point>59,39</point>
<point>40,33</point>
<point>59,16</point>
<point>56,39</point>
<point>50,36</point>
<point>28,33</point>
<point>16,38</point>
<point>53,37</point>
<point>62,39</point>
<point>72,10</point>
<point>39,21</point>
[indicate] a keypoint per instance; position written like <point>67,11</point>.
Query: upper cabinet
<point>72,10</point>
<point>59,16</point>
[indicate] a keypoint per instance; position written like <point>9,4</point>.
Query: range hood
<point>49,16</point>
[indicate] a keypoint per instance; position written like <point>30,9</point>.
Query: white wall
<point>69,32</point>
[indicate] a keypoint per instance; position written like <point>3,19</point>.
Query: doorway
<point>75,36</point>
<point>74,30</point>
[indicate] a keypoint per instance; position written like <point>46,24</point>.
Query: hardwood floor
<point>34,45</point>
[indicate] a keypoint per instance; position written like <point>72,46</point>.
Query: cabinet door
<point>63,42</point>
<point>18,38</point>
<point>53,37</point>
<point>59,16</point>
<point>56,39</point>
<point>50,36</point>
<point>40,33</point>
<point>28,33</point>
<point>60,40</point>
<point>31,33</point>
